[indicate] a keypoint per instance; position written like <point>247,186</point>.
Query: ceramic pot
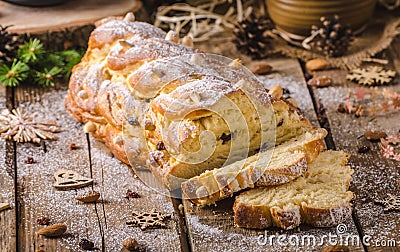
<point>295,17</point>
<point>36,2</point>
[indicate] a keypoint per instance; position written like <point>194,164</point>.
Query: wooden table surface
<point>29,187</point>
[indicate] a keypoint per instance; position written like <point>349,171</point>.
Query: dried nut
<point>148,125</point>
<point>187,41</point>
<point>130,244</point>
<point>82,94</point>
<point>337,248</point>
<point>4,206</point>
<point>172,36</point>
<point>53,230</point>
<point>261,68</point>
<point>88,196</point>
<point>317,64</point>
<point>276,91</point>
<point>89,127</point>
<point>293,102</point>
<point>373,135</point>
<point>236,63</point>
<point>322,81</point>
<point>129,17</point>
<point>118,140</point>
<point>181,209</point>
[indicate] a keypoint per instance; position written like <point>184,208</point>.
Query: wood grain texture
<point>212,228</point>
<point>375,176</point>
<point>70,14</point>
<point>113,180</point>
<point>7,217</point>
<point>37,195</point>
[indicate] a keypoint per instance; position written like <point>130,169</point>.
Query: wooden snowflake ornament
<point>148,219</point>
<point>392,202</point>
<point>19,126</point>
<point>370,76</point>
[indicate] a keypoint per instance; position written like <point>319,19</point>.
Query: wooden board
<point>212,228</point>
<point>103,222</point>
<point>374,175</point>
<point>114,179</point>
<point>37,195</point>
<point>70,14</point>
<point>8,236</point>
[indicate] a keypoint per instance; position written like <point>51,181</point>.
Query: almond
<point>53,230</point>
<point>4,206</point>
<point>276,91</point>
<point>261,68</point>
<point>373,135</point>
<point>322,81</point>
<point>88,196</point>
<point>317,64</point>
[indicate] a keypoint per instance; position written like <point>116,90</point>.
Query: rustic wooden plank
<point>38,197</point>
<point>7,217</point>
<point>114,179</point>
<point>374,175</point>
<point>67,15</point>
<point>212,228</point>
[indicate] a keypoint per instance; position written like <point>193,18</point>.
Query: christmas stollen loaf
<point>277,166</point>
<point>152,100</point>
<point>319,198</point>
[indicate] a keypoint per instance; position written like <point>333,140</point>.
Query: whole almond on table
<point>317,64</point>
<point>261,68</point>
<point>88,196</point>
<point>374,135</point>
<point>322,81</point>
<point>53,230</point>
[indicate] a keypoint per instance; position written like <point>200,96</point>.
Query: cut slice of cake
<point>277,166</point>
<point>320,198</point>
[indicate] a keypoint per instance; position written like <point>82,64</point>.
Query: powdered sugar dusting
<point>111,178</point>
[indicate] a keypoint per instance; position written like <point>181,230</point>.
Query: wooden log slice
<point>63,26</point>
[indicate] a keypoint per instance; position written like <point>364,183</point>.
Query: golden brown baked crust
<point>129,67</point>
<point>320,199</point>
<point>274,167</point>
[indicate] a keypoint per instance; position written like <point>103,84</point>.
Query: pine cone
<point>9,44</point>
<point>333,39</point>
<point>251,37</point>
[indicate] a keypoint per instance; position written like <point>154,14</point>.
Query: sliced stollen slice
<point>277,166</point>
<point>319,198</point>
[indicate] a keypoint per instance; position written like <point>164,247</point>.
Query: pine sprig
<point>12,76</point>
<point>47,77</point>
<point>30,51</point>
<point>34,64</point>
